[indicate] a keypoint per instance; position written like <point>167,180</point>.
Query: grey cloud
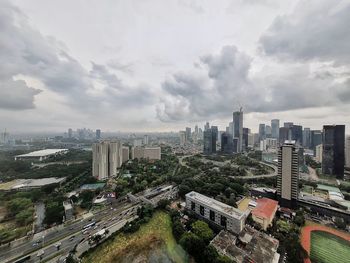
<point>225,83</point>
<point>316,30</point>
<point>16,95</point>
<point>126,68</point>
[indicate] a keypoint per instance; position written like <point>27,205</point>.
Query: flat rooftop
<point>265,208</point>
<point>28,183</point>
<point>217,205</point>
<point>41,153</point>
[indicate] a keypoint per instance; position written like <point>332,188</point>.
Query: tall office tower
<point>262,134</point>
<point>275,128</point>
<point>106,159</point>
<point>333,158</point>
<point>268,131</point>
<point>188,134</point>
<point>206,126</point>
<point>238,128</point>
<point>196,130</point>
<point>347,151</point>
<point>226,143</point>
<point>215,133</point>
<point>288,124</point>
<point>246,133</point>
<point>251,140</point>
<point>70,133</point>
<point>200,133</point>
<point>307,138</point>
<point>145,139</point>
<point>182,135</point>
<point>98,134</point>
<point>288,175</point>
<point>231,128</point>
<point>297,134</point>
<point>207,142</point>
<point>316,139</point>
<point>227,129</point>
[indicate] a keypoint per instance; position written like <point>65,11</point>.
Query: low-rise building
<point>68,211</point>
<point>216,212</point>
<point>250,246</point>
<point>41,155</point>
<point>264,212</point>
<point>150,153</point>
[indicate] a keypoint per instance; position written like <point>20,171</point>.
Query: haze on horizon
<point>162,65</point>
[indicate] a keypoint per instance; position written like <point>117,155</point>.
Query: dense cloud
<point>26,52</point>
<point>317,30</point>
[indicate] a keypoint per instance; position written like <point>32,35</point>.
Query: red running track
<point>305,238</point>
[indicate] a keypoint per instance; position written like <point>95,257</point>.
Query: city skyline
<point>185,72</point>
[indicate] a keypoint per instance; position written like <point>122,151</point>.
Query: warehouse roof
<point>40,153</point>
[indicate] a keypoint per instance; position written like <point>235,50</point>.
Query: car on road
<point>71,238</point>
<point>71,228</point>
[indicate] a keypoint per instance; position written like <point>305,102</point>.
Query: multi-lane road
<point>68,235</point>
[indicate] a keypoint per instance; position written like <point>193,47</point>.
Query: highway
<point>10,254</point>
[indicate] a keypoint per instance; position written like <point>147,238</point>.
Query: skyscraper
<point>106,158</point>
<point>333,158</point>
<point>306,138</point>
<point>206,126</point>
<point>297,134</point>
<point>215,133</point>
<point>262,134</point>
<point>288,175</point>
<point>226,143</point>
<point>275,127</point>
<point>268,131</point>
<point>347,152</point>
<point>70,133</point>
<point>145,139</point>
<point>188,134</point>
<point>207,142</point>
<point>246,133</point>
<point>316,139</point>
<point>288,124</point>
<point>182,135</point>
<point>238,128</point>
<point>98,134</point>
<point>283,135</point>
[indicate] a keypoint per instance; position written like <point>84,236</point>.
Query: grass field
<point>153,242</point>
<point>328,248</point>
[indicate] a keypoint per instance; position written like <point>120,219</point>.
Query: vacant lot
<point>328,248</point>
<point>153,242</point>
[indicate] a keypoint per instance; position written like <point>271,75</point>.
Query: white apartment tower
<point>288,175</point>
<point>106,159</point>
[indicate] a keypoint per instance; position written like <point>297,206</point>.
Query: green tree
<point>192,244</point>
<point>202,230</point>
<point>178,229</point>
<point>25,216</point>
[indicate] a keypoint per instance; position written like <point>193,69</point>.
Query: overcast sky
<point>161,65</point>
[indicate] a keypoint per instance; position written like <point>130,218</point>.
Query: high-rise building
<point>333,158</point>
<point>275,126</point>
<point>125,154</point>
<point>182,135</point>
<point>188,134</point>
<point>226,143</point>
<point>268,131</point>
<point>196,130</point>
<point>307,138</point>
<point>238,128</point>
<point>106,159</point>
<point>283,135</point>
<point>231,128</point>
<point>319,153</point>
<point>137,142</point>
<point>207,126</point>
<point>288,124</point>
<point>246,133</point>
<point>288,175</point>
<point>145,139</point>
<point>98,134</point>
<point>209,142</point>
<point>297,134</point>
<point>215,134</point>
<point>70,133</point>
<point>262,132</point>
<point>347,152</point>
<point>316,139</point>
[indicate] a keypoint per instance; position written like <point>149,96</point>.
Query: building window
<point>201,210</point>
<point>193,206</point>
<point>212,215</point>
<point>223,221</point>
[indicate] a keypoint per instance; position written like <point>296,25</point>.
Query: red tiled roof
<point>265,207</point>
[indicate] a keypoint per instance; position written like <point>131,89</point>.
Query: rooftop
<point>41,153</point>
<point>328,188</point>
<point>92,186</point>
<point>219,206</point>
<point>252,246</point>
<point>28,183</point>
<point>265,208</point>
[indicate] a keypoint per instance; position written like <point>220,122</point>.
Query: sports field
<point>328,248</point>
